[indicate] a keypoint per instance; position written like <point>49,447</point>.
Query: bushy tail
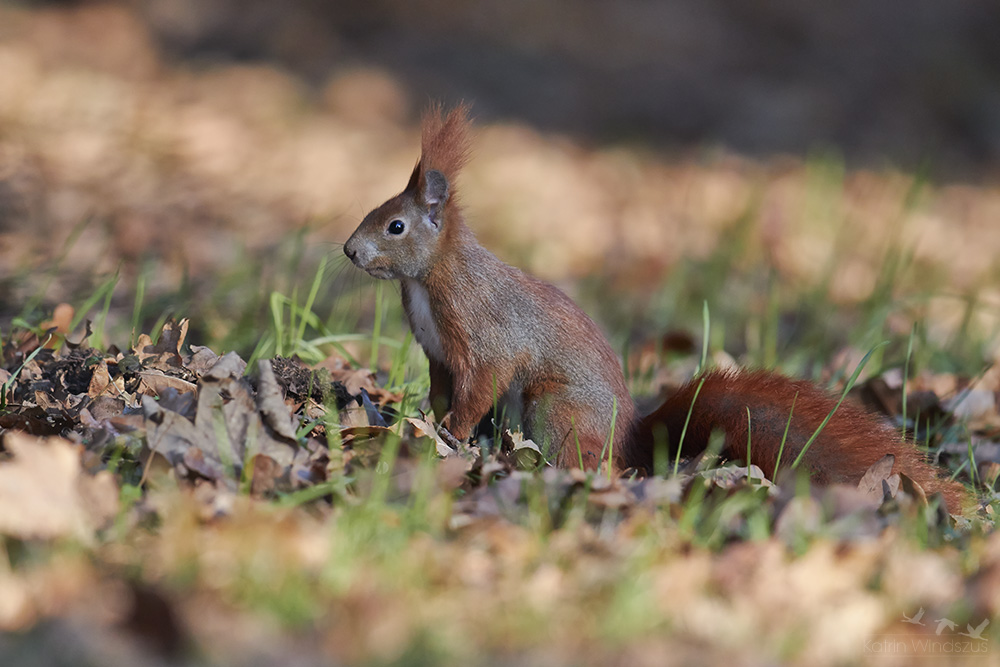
<point>848,445</point>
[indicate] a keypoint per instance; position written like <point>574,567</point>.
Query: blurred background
<point>877,79</point>
<point>193,157</point>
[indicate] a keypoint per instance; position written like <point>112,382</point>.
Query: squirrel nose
<point>350,253</point>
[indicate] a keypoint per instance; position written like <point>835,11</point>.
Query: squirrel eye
<point>396,227</point>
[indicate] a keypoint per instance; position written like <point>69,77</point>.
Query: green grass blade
<point>843,395</point>
<point>102,292</point>
<point>140,295</point>
<point>687,420</point>
<point>784,436</point>
<point>706,328</point>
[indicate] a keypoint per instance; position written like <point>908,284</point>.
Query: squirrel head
<point>404,237</point>
<point>400,238</point>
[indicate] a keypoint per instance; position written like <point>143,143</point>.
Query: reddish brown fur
<point>445,144</point>
<point>847,446</point>
<point>488,330</point>
<point>474,374</point>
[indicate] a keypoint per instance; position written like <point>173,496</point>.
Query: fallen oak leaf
<point>83,339</point>
<point>353,416</point>
<point>311,463</point>
<point>202,359</point>
<point>144,348</point>
<point>890,485</point>
<point>525,453</point>
<point>656,491</point>
<point>62,318</point>
<point>155,382</point>
<point>44,492</point>
<point>227,410</point>
<point>871,482</point>
<point>729,477</point>
<point>264,475</point>
<point>106,414</point>
<point>184,404</point>
<point>211,469</point>
<point>101,382</point>
<point>106,407</point>
<point>229,365</point>
<point>87,420</point>
<point>227,407</point>
<point>424,429</point>
<point>172,336</point>
<point>355,381</point>
<point>166,352</point>
<point>912,488</point>
<point>221,432</point>
<point>975,406</point>
<point>611,498</point>
<point>170,433</point>
<point>527,456</point>
<point>271,403</point>
<point>452,473</point>
<point>47,402</point>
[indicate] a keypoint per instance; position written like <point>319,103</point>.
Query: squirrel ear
<point>435,194</point>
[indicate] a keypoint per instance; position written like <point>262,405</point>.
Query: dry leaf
<point>614,496</point>
<point>452,472</point>
<point>871,482</point>
<point>912,488</point>
<point>166,353</point>
<point>424,429</point>
<point>62,318</point>
<point>100,381</point>
<point>976,406</point>
<point>202,359</point>
<point>45,494</point>
<point>525,453</point>
<point>729,477</point>
<point>155,383</point>
<point>271,403</point>
<point>356,380</point>
<point>229,365</point>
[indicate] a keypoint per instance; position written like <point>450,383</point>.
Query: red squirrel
<point>493,334</point>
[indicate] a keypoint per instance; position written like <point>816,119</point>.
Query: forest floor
<point>212,449</point>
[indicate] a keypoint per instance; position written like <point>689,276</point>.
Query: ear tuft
<point>444,140</point>
<point>414,181</point>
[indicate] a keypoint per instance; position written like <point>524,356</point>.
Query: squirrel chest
<point>417,304</point>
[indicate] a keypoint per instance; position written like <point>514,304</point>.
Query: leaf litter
<point>81,427</point>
